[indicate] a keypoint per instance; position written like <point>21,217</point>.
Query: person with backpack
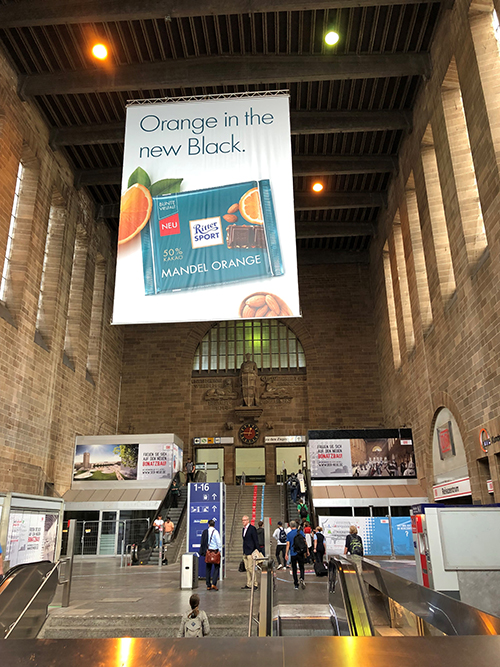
<point>280,537</point>
<point>194,623</point>
<point>319,545</point>
<point>303,512</point>
<point>189,471</point>
<point>353,543</point>
<point>296,546</point>
<point>293,485</point>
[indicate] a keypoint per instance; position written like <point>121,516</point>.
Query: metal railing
<point>264,622</point>
<point>236,506</point>
<point>107,537</point>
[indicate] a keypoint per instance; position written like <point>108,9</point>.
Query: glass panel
<point>196,363</point>
<point>266,361</point>
<point>293,360</point>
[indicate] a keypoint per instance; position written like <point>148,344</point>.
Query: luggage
<point>320,569</point>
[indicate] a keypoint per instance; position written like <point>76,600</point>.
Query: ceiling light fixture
<point>317,187</point>
<point>331,38</point>
<point>99,51</point>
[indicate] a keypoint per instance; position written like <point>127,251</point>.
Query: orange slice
<point>250,207</point>
<point>135,208</point>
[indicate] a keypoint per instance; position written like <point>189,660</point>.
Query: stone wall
<point>454,361</point>
<point>44,402</point>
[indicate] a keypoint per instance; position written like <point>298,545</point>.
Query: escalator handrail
<point>358,617</point>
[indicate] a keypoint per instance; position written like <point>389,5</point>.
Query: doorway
<point>214,458</point>
<point>289,458</point>
<point>252,462</point>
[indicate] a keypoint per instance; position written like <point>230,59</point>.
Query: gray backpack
<point>194,626</point>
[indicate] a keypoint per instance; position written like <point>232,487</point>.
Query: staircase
<point>271,509</point>
<point>177,547</point>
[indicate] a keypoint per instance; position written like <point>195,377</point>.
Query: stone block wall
<point>454,362</point>
<point>45,403</point>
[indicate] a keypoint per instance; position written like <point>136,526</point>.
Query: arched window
<point>273,346</point>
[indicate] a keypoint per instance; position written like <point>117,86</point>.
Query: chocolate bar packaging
<point>211,237</point>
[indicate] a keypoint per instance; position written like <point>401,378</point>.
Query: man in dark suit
<point>250,546</point>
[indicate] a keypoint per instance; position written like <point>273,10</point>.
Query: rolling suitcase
<point>320,569</point>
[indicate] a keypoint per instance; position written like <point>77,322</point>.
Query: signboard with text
<point>206,500</point>
<point>207,222</point>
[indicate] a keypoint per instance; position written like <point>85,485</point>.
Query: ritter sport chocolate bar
<point>211,237</point>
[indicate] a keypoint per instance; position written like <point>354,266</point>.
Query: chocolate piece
<point>239,236</point>
<point>245,236</point>
<point>259,237</point>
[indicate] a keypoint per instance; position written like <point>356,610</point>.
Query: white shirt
<point>276,535</point>
<point>158,523</point>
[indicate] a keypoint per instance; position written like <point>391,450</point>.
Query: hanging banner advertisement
<point>370,453</point>
<point>207,225</point>
<point>148,462</point>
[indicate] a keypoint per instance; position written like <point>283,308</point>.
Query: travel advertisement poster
<point>207,224</point>
<point>362,453</point>
<point>120,462</point>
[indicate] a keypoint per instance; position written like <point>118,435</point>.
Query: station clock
<point>249,433</point>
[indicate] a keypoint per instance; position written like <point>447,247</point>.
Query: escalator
<point>345,613</point>
<point>367,599</point>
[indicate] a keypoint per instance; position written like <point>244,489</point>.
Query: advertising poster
<point>362,453</point>
<point>374,532</point>
<point>207,223</point>
<point>141,462</point>
<point>26,538</point>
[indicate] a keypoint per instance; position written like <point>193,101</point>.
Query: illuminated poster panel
<point>362,453</point>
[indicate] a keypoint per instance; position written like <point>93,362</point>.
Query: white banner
<point>25,538</point>
<point>330,458</point>
<point>336,529</point>
<point>207,224</point>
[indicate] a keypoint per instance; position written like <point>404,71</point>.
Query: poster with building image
<point>207,223</point>
<point>129,461</point>
<point>361,453</point>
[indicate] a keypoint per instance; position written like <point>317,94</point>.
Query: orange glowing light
<point>99,51</point>
<point>317,187</point>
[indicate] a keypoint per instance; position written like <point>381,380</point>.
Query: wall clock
<point>249,433</point>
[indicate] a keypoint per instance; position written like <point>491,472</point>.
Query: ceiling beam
<point>317,256</point>
<point>331,230</point>
<point>302,122</point>
<point>224,70</point>
<point>303,202</point>
<point>322,165</point>
<point>326,165</point>
<point>29,13</point>
<point>334,200</point>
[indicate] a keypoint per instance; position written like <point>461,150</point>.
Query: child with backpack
<point>353,543</point>
<point>194,623</point>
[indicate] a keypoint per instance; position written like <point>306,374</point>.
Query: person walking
<point>293,485</point>
<point>175,493</point>
<point>189,471</point>
<point>250,548</point>
<point>158,529</point>
<point>168,530</point>
<point>261,535</point>
<point>211,548</point>
<point>353,543</point>
<point>194,623</point>
<point>297,548</point>
<point>280,537</point>
<point>319,545</point>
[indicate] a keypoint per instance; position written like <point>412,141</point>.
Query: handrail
<point>353,597</point>
<point>309,496</point>
<point>265,621</point>
<point>32,599</point>
<point>236,506</point>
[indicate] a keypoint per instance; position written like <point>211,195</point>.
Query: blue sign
<point>206,500</point>
<point>402,536</point>
<point>377,540</point>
